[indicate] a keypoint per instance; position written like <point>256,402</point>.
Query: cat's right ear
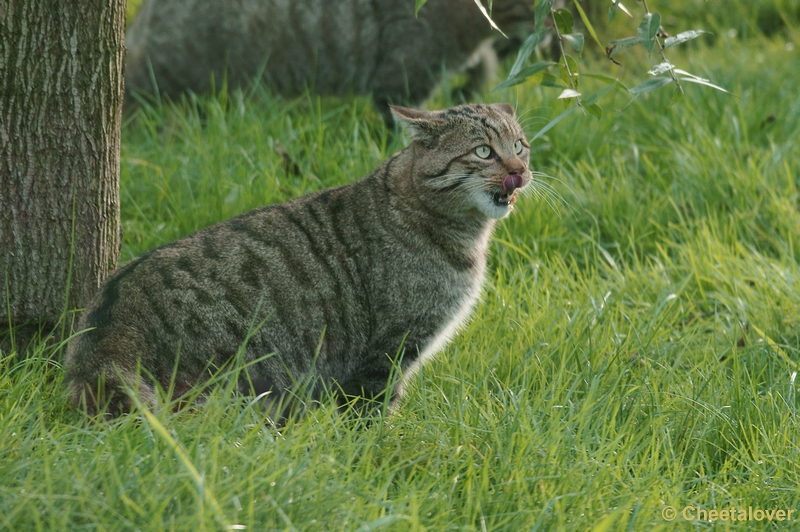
<point>424,126</point>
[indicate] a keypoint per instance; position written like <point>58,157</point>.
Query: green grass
<point>636,347</point>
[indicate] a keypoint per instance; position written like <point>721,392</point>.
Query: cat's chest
<point>454,316</point>
<point>430,300</point>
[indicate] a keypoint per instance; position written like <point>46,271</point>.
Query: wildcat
<point>340,47</point>
<point>339,281</point>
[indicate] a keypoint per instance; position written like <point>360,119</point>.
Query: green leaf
<point>524,74</point>
<point>611,12</point>
<point>622,44</point>
<point>549,80</point>
<point>683,37</point>
<point>650,85</point>
<point>648,29</point>
<point>573,69</point>
<point>540,13</point>
<point>644,30</point>
<point>594,97</point>
<point>595,110</point>
<point>418,6</point>
<point>588,24</point>
<point>655,25</point>
<point>525,51</point>
<point>575,40</point>
<point>553,122</point>
<point>605,79</point>
<point>564,21</point>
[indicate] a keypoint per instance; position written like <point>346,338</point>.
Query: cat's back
<point>294,44</point>
<point>226,270</point>
<point>341,47</point>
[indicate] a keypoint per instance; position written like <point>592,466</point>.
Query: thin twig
<point>663,55</point>
<point>564,56</point>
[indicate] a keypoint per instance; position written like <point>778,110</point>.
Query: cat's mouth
<point>503,199</point>
<point>508,194</point>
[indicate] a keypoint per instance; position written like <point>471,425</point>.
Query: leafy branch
<point>649,35</point>
<point>563,28</point>
<point>650,30</point>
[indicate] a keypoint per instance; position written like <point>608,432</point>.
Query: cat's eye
<point>518,147</point>
<point>483,152</point>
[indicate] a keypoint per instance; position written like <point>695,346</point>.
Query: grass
<point>635,348</point>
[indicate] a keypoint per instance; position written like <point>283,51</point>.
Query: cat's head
<point>470,158</point>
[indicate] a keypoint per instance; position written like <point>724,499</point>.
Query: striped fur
<point>336,47</point>
<point>395,259</point>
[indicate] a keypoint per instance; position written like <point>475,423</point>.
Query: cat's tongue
<point>511,183</point>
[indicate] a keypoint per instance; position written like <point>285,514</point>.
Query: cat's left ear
<point>504,108</point>
<point>425,126</point>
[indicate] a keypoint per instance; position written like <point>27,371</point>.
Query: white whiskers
<point>546,192</point>
<point>461,195</point>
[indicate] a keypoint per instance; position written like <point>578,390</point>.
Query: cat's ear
<point>503,108</point>
<point>424,126</point>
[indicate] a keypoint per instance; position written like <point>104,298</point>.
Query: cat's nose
<point>511,183</point>
<point>515,167</point>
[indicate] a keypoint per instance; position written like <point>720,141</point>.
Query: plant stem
<point>663,55</point>
<point>564,57</point>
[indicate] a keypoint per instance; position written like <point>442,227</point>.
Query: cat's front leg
<point>367,392</point>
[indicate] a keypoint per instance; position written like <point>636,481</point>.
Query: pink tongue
<point>511,183</point>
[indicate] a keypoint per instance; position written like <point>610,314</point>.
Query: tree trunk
<point>61,90</point>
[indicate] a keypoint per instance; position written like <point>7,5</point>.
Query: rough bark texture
<point>61,90</point>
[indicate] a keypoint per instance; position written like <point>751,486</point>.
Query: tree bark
<point>61,90</point>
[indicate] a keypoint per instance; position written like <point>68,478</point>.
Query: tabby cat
<point>335,289</point>
<point>339,47</point>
